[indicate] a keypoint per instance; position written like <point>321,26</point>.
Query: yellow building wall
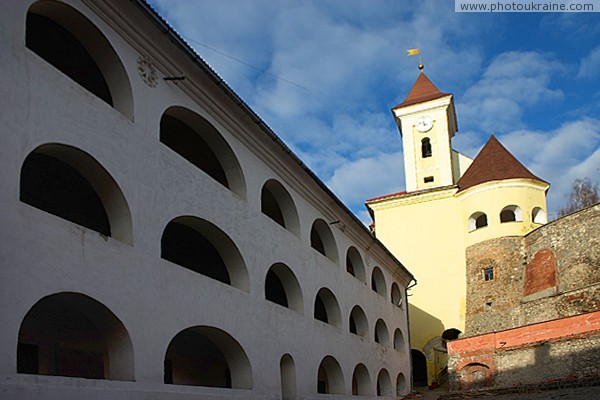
<point>425,231</point>
<point>492,197</point>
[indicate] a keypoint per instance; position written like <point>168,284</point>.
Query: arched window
<point>330,379</point>
<point>321,239</point>
<point>277,204</point>
<point>71,334</point>
<point>426,148</point>
<point>282,287</point>
<point>481,221</point>
<point>355,265</point>
<point>326,308</point>
<point>69,183</point>
<point>201,247</point>
<point>358,322</point>
<point>378,282</point>
<point>539,216</point>
<point>511,213</point>
<point>198,141</point>
<point>384,384</point>
<point>401,386</point>
<point>71,43</point>
<point>398,340</point>
<point>207,356</point>
<point>361,381</point>
<point>382,335</point>
<point>477,220</point>
<point>396,296</point>
<point>287,369</point>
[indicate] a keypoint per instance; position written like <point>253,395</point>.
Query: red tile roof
<point>422,90</point>
<point>493,163</point>
<point>387,196</point>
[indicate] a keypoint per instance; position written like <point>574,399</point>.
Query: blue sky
<point>324,75</point>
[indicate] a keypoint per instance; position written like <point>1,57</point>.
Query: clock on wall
<point>424,124</point>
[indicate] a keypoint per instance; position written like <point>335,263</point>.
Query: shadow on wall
<point>428,355</point>
<point>571,361</point>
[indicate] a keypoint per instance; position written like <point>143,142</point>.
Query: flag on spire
<point>413,52</point>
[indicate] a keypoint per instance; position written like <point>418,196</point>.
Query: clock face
<point>424,124</point>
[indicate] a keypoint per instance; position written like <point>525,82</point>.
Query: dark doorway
<point>419,368</point>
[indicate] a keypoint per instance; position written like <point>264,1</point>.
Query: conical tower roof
<point>423,90</point>
<point>494,163</point>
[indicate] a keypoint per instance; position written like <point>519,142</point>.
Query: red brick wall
<point>540,273</point>
<point>568,347</point>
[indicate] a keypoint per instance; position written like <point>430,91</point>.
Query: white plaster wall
<point>42,254</point>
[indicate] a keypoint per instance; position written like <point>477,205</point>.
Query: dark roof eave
<point>421,100</point>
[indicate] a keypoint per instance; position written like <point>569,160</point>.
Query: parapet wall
<point>538,319</point>
<point>562,350</point>
<point>552,273</point>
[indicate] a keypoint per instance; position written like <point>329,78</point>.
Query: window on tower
<point>488,274</point>
<point>426,148</point>
<point>477,220</point>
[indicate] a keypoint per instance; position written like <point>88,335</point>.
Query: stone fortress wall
<point>538,319</point>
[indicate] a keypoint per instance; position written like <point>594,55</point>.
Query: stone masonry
<point>554,272</point>
<point>538,318</point>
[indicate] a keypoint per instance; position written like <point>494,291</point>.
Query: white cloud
<point>590,65</point>
<point>512,83</point>
<point>559,156</point>
<point>356,181</point>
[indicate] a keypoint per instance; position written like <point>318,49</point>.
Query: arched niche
<point>358,322</point>
<point>322,240</point>
<point>330,379</point>
<point>396,295</point>
<point>200,143</point>
<point>361,381</point>
<point>287,371</point>
<point>202,247</point>
<point>69,41</point>
<point>326,308</point>
<point>382,334</point>
<point>398,340</point>
<point>378,284</point>
<point>69,183</point>
<point>277,204</point>
<point>71,334</point>
<point>401,385</point>
<point>355,265</point>
<point>282,287</point>
<point>207,356</point>
<point>384,384</point>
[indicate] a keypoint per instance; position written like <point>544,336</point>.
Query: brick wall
<point>538,319</point>
<point>564,349</point>
<point>554,272</point>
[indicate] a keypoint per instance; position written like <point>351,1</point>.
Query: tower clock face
<point>424,124</point>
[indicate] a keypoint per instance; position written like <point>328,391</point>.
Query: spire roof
<point>422,90</point>
<point>493,163</point>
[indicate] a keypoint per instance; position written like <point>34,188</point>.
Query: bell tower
<point>427,123</point>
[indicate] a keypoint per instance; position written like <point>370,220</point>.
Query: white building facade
<point>159,241</point>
